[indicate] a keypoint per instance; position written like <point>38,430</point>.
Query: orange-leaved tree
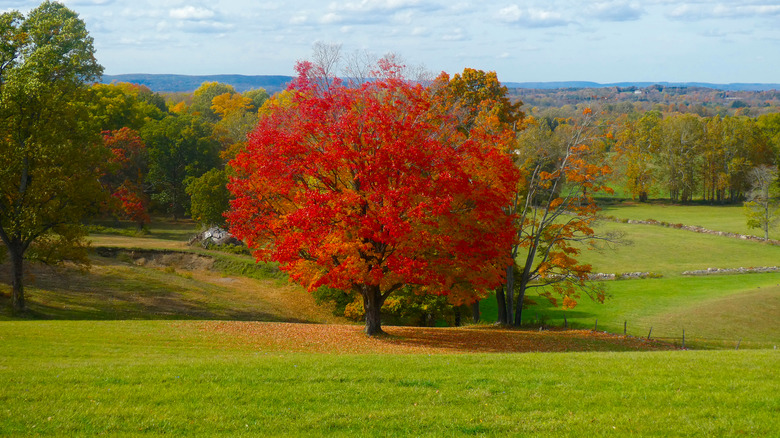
<point>476,97</point>
<point>369,188</point>
<point>562,171</point>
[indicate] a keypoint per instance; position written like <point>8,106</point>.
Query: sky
<point>522,41</point>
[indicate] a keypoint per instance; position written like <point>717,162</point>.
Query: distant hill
<point>162,83</point>
<point>584,84</point>
<point>165,83</point>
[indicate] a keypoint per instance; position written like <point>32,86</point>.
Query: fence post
<point>683,341</point>
<point>596,325</point>
<point>625,325</point>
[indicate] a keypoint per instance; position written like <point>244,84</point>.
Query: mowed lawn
<point>128,378</point>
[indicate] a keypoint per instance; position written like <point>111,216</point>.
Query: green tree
<point>202,100</point>
<point>680,157</point>
<point>180,147</point>
<point>123,105</point>
<point>638,144</point>
<point>257,97</point>
<point>209,197</point>
<point>49,150</point>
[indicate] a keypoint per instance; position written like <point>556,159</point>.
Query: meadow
<point>212,344</point>
<point>78,378</point>
<point>716,311</point>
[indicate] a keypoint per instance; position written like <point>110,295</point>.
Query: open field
<point>182,288</point>
<point>670,251</point>
<point>715,311</point>
<point>730,218</point>
<point>157,377</point>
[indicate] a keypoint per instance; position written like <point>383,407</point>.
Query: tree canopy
<point>370,188</point>
<point>49,151</point>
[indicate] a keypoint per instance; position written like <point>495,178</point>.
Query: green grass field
<point>715,311</point>
<point>115,351</point>
<point>730,218</point>
<point>670,251</point>
<point>77,378</point>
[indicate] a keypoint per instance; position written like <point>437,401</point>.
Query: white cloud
<point>191,13</point>
<point>457,34</point>
<point>420,31</point>
<point>615,11</point>
<point>141,13</point>
<point>376,5</point>
<point>531,17</point>
<point>331,18</point>
<point>204,27</point>
<point>692,12</point>
<point>299,19</point>
<point>88,2</point>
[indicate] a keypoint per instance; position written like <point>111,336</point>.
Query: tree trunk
<point>767,219</point>
<point>519,309</point>
<point>524,280</point>
<point>372,304</point>
<point>17,274</point>
<point>501,303</point>
<point>510,291</point>
<point>475,311</point>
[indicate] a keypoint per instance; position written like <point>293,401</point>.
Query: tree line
<point>685,157</point>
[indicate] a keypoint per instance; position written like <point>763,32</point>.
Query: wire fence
<point>680,336</point>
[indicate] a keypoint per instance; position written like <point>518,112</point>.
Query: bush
<point>339,298</point>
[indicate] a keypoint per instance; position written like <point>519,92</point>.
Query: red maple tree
<point>370,188</point>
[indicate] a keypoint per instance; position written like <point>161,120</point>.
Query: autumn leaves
<point>369,187</point>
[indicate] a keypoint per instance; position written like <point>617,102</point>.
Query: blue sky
<point>537,40</point>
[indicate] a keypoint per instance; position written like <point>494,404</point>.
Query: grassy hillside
<point>730,218</point>
<point>156,377</point>
<point>670,251</point>
<point>715,311</point>
<point>189,283</point>
<point>124,350</point>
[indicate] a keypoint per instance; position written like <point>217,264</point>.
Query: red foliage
<point>125,173</point>
<point>133,204</point>
<point>375,186</point>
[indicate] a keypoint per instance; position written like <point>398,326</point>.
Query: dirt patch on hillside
<point>159,259</point>
<point>350,339</point>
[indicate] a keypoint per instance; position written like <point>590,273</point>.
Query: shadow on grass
<point>120,291</point>
<point>501,340</point>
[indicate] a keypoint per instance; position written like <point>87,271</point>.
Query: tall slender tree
<point>562,171</point>
<point>49,151</point>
